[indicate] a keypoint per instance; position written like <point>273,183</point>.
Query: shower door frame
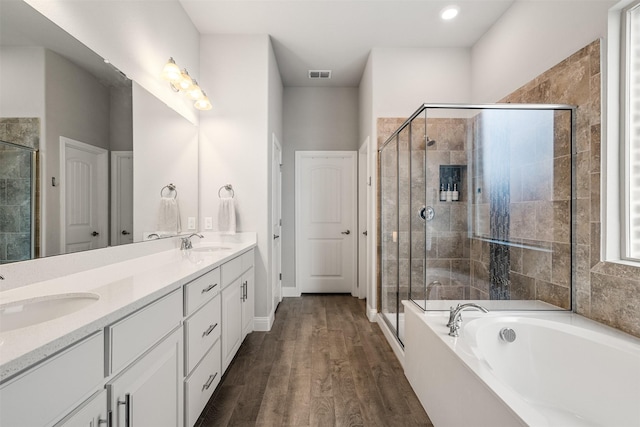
<point>33,176</point>
<point>444,106</point>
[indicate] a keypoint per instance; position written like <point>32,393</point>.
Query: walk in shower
<point>475,204</point>
<point>17,202</point>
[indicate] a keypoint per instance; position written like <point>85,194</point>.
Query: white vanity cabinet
<point>48,391</point>
<point>237,304</point>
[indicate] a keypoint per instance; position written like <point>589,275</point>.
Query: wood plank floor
<point>322,364</point>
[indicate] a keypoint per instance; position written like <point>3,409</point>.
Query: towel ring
<point>171,188</point>
<point>227,187</point>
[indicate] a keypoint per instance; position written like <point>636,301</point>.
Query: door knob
<point>275,236</point>
<point>125,232</point>
<point>364,233</point>
<point>346,232</point>
<point>95,233</point>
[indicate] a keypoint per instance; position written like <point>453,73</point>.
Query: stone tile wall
<point>15,189</point>
<point>603,291</point>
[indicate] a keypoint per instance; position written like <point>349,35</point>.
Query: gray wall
<point>314,119</point>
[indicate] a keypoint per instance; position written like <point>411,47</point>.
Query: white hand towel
<point>227,216</point>
<point>169,215</point>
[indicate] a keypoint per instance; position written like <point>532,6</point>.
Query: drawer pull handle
<point>209,382</point>
<point>209,330</point>
<point>208,288</point>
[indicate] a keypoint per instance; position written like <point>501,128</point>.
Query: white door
<point>83,196</point>
<point>121,197</point>
<point>276,215</point>
<point>326,221</point>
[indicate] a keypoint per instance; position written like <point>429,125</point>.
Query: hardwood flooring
<point>322,364</point>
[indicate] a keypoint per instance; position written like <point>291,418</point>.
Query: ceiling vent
<point>319,74</point>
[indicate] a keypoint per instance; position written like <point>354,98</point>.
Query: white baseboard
<point>290,293</point>
<point>391,339</point>
<point>372,314</point>
<point>263,324</point>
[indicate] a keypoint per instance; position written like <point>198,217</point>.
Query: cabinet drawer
<point>92,412</point>
<point>201,290</point>
<point>200,385</point>
<point>231,270</point>
<point>133,335</point>
<point>53,388</point>
<point>201,331</point>
<point>247,260</point>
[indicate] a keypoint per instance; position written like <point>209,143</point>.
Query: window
<point>630,97</point>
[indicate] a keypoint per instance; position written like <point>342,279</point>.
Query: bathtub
<point>561,370</point>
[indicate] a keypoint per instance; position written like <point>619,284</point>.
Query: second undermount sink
<point>210,248</point>
<point>23,313</point>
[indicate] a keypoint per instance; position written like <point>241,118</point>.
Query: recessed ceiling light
<point>449,12</point>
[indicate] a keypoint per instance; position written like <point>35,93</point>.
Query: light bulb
<point>203,104</point>
<point>195,93</point>
<point>171,72</point>
<point>185,82</point>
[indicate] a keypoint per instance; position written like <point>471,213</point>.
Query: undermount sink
<point>23,313</point>
<point>210,248</point>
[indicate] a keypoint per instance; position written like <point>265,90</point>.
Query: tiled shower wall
<point>603,291</point>
<point>15,189</point>
<point>441,245</point>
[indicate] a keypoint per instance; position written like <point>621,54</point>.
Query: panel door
<point>326,222</point>
<point>84,196</point>
<point>231,321</point>
<point>150,391</point>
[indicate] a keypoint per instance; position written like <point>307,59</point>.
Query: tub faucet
<point>186,241</point>
<point>455,316</point>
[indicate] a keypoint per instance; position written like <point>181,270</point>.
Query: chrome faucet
<point>455,316</point>
<point>186,241</point>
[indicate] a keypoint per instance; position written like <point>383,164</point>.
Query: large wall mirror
<point>88,158</point>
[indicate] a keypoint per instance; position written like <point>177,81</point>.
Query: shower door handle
<point>346,232</point>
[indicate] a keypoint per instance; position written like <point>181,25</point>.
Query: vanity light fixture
<point>449,12</point>
<point>181,81</point>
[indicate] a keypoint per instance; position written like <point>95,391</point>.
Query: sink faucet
<point>186,241</point>
<point>455,316</point>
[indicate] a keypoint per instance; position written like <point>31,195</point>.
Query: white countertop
<point>123,288</point>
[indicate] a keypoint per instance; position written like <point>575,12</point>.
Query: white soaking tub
<point>562,370</point>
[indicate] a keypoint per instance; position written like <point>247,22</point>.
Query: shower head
<point>430,142</point>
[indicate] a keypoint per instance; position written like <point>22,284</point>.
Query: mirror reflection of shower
<point>18,189</point>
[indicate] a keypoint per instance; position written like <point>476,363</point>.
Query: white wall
<point>166,148</point>
<point>530,38</point>
<point>315,118</point>
<point>403,79</point>
<point>235,140</point>
<point>22,82</point>
<point>138,37</point>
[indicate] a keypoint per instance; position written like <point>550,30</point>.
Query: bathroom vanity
<point>148,347</point>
